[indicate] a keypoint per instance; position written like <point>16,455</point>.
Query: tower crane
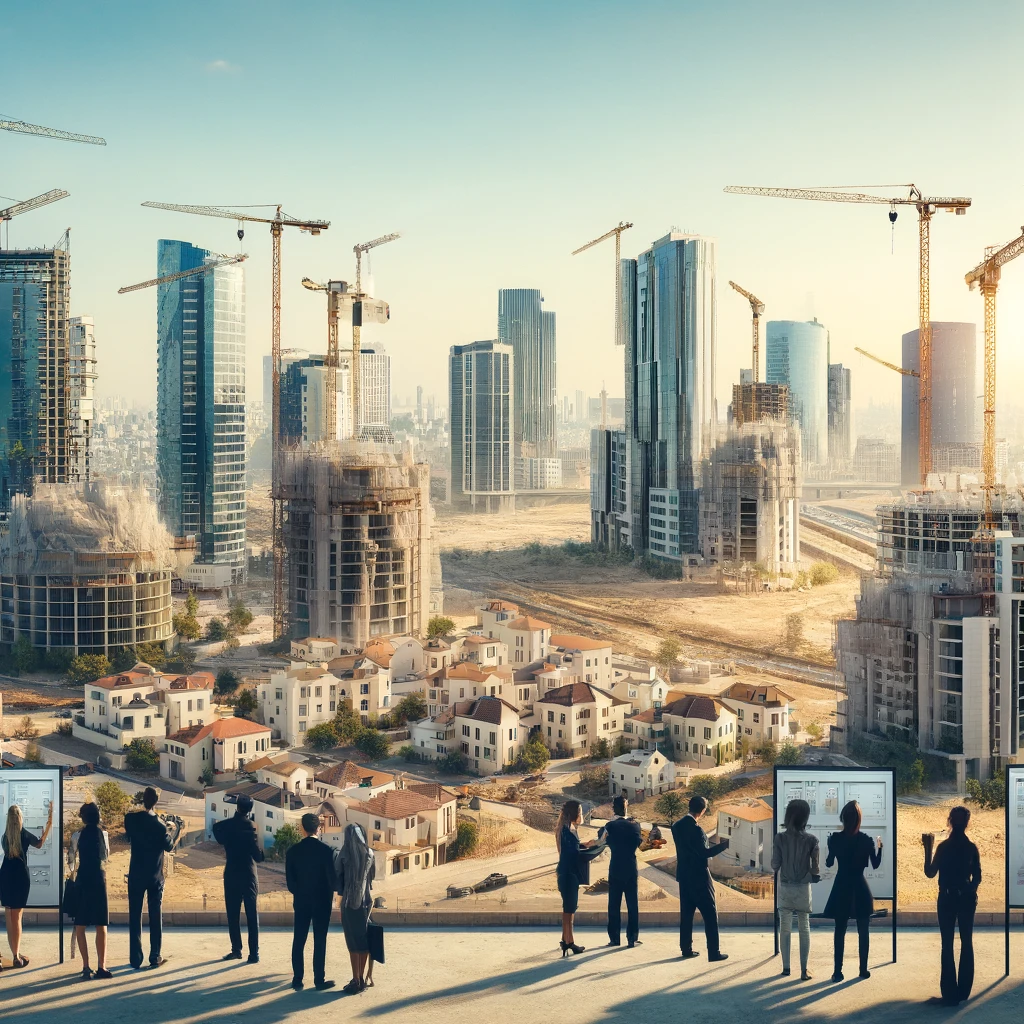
<point>617,232</point>
<point>179,275</point>
<point>337,292</point>
<point>277,223</point>
<point>756,312</point>
<point>986,274</point>
<point>45,199</point>
<point>357,323</point>
<point>51,133</point>
<point>892,366</point>
<point>926,207</point>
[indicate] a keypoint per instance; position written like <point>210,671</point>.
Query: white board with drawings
<point>827,792</point>
<point>34,790</point>
<point>1015,834</point>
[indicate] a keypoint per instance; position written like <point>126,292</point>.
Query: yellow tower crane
<point>337,293</point>
<point>617,232</point>
<point>277,223</point>
<point>357,323</point>
<point>986,274</point>
<point>926,207</point>
<point>892,366</point>
<point>756,312</point>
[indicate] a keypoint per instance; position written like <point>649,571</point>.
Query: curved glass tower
<point>797,355</point>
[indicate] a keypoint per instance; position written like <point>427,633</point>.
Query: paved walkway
<point>437,976</point>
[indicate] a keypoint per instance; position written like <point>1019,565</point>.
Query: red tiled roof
<point>527,622</point>
<point>197,681</point>
<point>694,705</point>
<point>226,728</point>
<point>483,709</point>
<point>348,773</point>
<point>501,606</point>
<point>579,643</point>
<point>769,696</point>
<point>576,693</point>
<point>433,791</point>
<point>399,803</point>
<point>189,735</point>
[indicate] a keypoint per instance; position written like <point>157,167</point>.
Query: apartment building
<point>366,680</point>
<point>701,730</point>
<point>574,716</point>
<point>488,732</point>
<point>295,699</point>
<point>762,712</point>
<point>585,659</point>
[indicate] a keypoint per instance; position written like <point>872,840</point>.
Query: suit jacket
<point>623,838</point>
<point>241,846</point>
<point>309,871</point>
<point>692,855</point>
<point>150,841</point>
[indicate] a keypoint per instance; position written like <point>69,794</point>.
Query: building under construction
<point>750,497</point>
<point>356,529</point>
<point>752,401</point>
<point>85,568</point>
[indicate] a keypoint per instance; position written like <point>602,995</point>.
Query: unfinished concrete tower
<point>357,541</point>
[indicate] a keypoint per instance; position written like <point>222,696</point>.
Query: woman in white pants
<point>795,862</point>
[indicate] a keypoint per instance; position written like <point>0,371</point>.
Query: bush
<point>347,724</point>
<point>285,838</point>
<point>113,803</point>
<point>245,703</point>
<point>216,631</point>
<point>453,763</point>
<point>440,625</point>
<point>152,654</point>
<point>789,754</point>
<point>87,668</point>
<point>815,731</point>
<point>671,806</point>
<point>767,753</point>
<point>321,737</point>
<point>594,781</point>
<point>239,617</point>
<point>33,755</point>
<point>23,655</point>
<point>375,745</point>
<point>123,659</point>
<point>621,747</point>
<point>64,728</point>
<point>534,756</point>
<point>407,752</point>
<point>227,681</point>
<point>668,653</point>
<point>823,573</point>
<point>711,787</point>
<point>206,776</point>
<point>141,756</point>
<point>26,729</point>
<point>599,750</point>
<point>990,793</point>
<point>186,626</point>
<point>466,839</point>
<point>411,708</point>
<point>183,662</point>
<point>905,758</point>
<point>794,631</point>
<point>801,579</point>
<point>58,659</point>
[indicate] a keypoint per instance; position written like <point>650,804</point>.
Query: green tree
<point>453,763</point>
<point>321,737</point>
<point>794,631</point>
<point>227,681</point>
<point>708,786</point>
<point>671,806</point>
<point>534,755</point>
<point>347,724</point>
<point>411,708</point>
<point>58,659</point>
<point>823,573</point>
<point>183,662</point>
<point>815,731</point>
<point>87,668</point>
<point>466,839</point>
<point>621,747</point>
<point>440,625</point>
<point>375,745</point>
<point>124,658</point>
<point>245,703</point>
<point>768,753</point>
<point>239,617</point>
<point>206,776</point>
<point>186,626</point>
<point>285,838</point>
<point>667,653</point>
<point>911,779</point>
<point>152,654</point>
<point>141,755</point>
<point>23,655</point>
<point>191,604</point>
<point>113,803</point>
<point>789,754</point>
<point>407,752</point>
<point>216,631</point>
<point>599,750</point>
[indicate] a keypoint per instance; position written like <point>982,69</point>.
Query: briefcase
<point>375,941</point>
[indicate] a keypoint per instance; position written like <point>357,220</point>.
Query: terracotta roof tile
<point>226,728</point>
<point>399,803</point>
<point>695,705</point>
<point>527,622</point>
<point>579,643</point>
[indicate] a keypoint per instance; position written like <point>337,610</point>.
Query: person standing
<point>696,887</point>
<point>851,896</point>
<point>573,869</point>
<point>242,852</point>
<point>90,848</point>
<point>15,881</point>
<point>150,839</point>
<point>958,866</point>
<point>795,856</point>
<point>623,837</point>
<point>309,871</point>
<point>355,869</point>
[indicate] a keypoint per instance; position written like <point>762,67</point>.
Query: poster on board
<point>1015,834</point>
<point>827,791</point>
<point>34,790</point>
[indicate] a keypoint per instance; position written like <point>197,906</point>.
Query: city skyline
<point>804,260</point>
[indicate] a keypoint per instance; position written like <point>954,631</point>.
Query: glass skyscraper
<point>797,355</point>
<point>201,404</point>
<point>669,322</point>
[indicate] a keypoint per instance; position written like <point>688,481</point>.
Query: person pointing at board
<point>15,881</point>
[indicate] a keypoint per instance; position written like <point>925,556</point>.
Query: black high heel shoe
<point>571,947</point>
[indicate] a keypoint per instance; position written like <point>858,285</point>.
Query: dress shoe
<point>321,985</point>
<point>253,958</point>
<point>296,984</point>
<point>158,962</point>
<point>635,942</point>
<point>232,955</point>
<point>689,954</point>
<point>713,958</point>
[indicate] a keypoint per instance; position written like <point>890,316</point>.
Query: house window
<point>270,814</point>
<point>364,705</point>
<point>477,736</point>
<point>493,738</point>
<point>757,718</point>
<point>465,730</point>
<point>364,687</point>
<point>270,829</point>
<point>199,704</point>
<point>302,710</point>
<point>551,716</point>
<point>707,734</point>
<point>691,731</point>
<point>278,695</point>
<point>318,691</point>
<point>190,705</point>
<point>487,753</point>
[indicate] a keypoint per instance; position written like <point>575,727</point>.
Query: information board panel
<point>34,790</point>
<point>1015,835</point>
<point>828,790</point>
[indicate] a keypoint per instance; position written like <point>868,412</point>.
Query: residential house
<point>223,745</point>
<point>273,808</point>
<point>434,737</point>
<point>291,775</point>
<point>639,774</point>
<point>488,732</point>
<point>526,638</point>
<point>639,683</point>
<point>315,649</point>
<point>644,730</point>
<point>353,780</point>
<point>574,716</point>
<point>496,614</point>
<point>748,827</point>
<point>482,650</point>
<point>586,660</point>
<point>762,712</point>
<point>295,699</point>
<point>366,678</point>
<point>701,729</point>
<point>437,653</point>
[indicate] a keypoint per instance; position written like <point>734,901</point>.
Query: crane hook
<point>892,221</point>
<point>241,234</point>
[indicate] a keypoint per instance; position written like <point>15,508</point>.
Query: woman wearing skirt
<point>15,881</point>
<point>355,869</point>
<point>91,848</point>
<point>795,861</point>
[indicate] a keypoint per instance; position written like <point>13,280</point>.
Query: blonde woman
<point>14,877</point>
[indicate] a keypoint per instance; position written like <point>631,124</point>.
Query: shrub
<point>789,753</point>
<point>227,681</point>
<point>321,737</point>
<point>87,668</point>
<point>347,724</point>
<point>534,756</point>
<point>26,729</point>
<point>668,653</point>
<point>285,838</point>
<point>466,839</point>
<point>239,617</point>
<point>206,776</point>
<point>407,752</point>
<point>113,803</point>
<point>708,786</point>
<point>621,746</point>
<point>216,631</point>
<point>990,793</point>
<point>794,631</point>
<point>58,659</point>
<point>64,728</point>
<point>440,625</point>
<point>904,757</point>
<point>594,781</point>
<point>453,763</point>
<point>801,579</point>
<point>768,753</point>
<point>375,745</point>
<point>123,659</point>
<point>671,806</point>
<point>245,703</point>
<point>815,731</point>
<point>23,655</point>
<point>152,654</point>
<point>823,573</point>
<point>411,708</point>
<point>32,753</point>
<point>183,662</point>
<point>141,755</point>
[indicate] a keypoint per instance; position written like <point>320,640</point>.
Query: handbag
<point>375,941</point>
<point>69,905</point>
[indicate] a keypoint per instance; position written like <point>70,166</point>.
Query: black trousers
<point>957,908</point>
<point>705,903</point>
<point>840,942</point>
<point>152,890</point>
<point>319,916</point>
<point>239,892</point>
<point>617,888</point>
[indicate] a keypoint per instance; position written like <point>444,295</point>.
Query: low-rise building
<point>644,730</point>
<point>701,729</point>
<point>291,775</point>
<point>639,774</point>
<point>295,699</point>
<point>748,827</point>
<point>224,745</point>
<point>272,809</point>
<point>315,649</point>
<point>488,733</point>
<point>587,660</point>
<point>639,683</point>
<point>526,638</point>
<point>573,717</point>
<point>366,679</point>
<point>350,779</point>
<point>434,737</point>
<point>762,712</point>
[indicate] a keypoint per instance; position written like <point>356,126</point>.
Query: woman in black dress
<point>355,868</point>
<point>91,847</point>
<point>850,896</point>
<point>14,877</point>
<point>573,869</point>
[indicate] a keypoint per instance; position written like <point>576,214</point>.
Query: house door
<point>396,866</point>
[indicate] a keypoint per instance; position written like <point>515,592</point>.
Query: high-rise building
<point>81,399</point>
<point>954,391</point>
<point>35,286</point>
<point>375,390</point>
<point>609,489</point>
<point>288,356</point>
<point>532,334</point>
<point>752,402</point>
<point>669,323</point>
<point>840,415</point>
<point>201,406</point>
<point>482,410</point>
<point>581,407</point>
<point>797,355</point>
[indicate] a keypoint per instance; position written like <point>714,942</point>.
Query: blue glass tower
<point>797,355</point>
<point>201,404</point>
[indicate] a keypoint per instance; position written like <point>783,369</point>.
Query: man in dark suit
<point>241,884</point>
<point>623,837</point>
<point>150,840</point>
<point>696,889</point>
<point>309,870</point>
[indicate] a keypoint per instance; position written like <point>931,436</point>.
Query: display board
<point>34,790</point>
<point>1015,835</point>
<point>828,790</point>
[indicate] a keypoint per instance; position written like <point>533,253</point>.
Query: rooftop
<point>399,803</point>
<point>527,622</point>
<point>746,812</point>
<point>188,735</point>
<point>196,681</point>
<point>348,773</point>
<point>227,728</point>
<point>695,705</point>
<point>770,696</point>
<point>483,709</point>
<point>577,693</point>
<point>574,642</point>
<point>284,768</point>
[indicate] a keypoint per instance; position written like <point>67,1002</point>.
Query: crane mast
<point>617,233</point>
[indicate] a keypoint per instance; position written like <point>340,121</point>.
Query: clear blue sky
<point>499,137</point>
